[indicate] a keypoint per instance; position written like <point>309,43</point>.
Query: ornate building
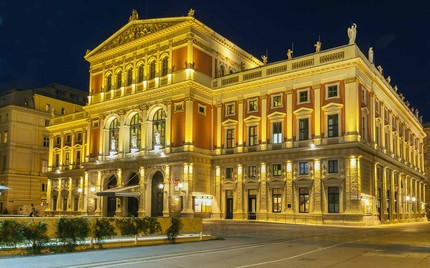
<point>24,142</point>
<point>181,120</point>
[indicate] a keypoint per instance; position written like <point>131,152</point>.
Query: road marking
<point>292,257</point>
<point>179,255</point>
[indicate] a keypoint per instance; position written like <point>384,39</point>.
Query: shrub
<point>128,226</point>
<point>36,235</point>
<point>150,225</point>
<point>174,229</point>
<point>70,231</point>
<point>11,233</point>
<point>103,228</point>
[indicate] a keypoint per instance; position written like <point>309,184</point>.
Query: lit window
<point>333,125</point>
<point>276,200</point>
<point>332,91</point>
<point>276,101</point>
<point>108,82</point>
<point>277,169</point>
<point>67,158</point>
<point>140,73</point>
<point>252,133</point>
<point>119,79</point>
<point>44,166</point>
<point>78,157</point>
<point>202,109</point>
<point>164,66</point>
<point>277,132</point>
<point>304,200</point>
<point>229,109</point>
<point>304,129</point>
<point>333,166</point>
<point>129,76</point>
<point>303,168</point>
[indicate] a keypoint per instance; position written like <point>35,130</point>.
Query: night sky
<point>42,42</point>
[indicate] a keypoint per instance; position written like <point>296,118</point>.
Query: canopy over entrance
<point>122,191</point>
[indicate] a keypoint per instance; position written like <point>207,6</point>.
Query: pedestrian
<point>32,211</point>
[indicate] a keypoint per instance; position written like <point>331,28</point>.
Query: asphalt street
<point>243,244</point>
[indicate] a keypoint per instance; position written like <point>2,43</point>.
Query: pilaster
<point>239,215</point>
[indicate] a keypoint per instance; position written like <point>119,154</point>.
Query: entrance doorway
<point>252,206</point>
<point>229,205</point>
<point>157,195</point>
<point>132,202</point>
<point>111,200</point>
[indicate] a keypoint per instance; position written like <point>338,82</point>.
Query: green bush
<point>11,233</point>
<point>150,225</point>
<point>103,228</point>
<point>128,226</point>
<point>35,234</point>
<point>70,231</point>
<point>174,229</point>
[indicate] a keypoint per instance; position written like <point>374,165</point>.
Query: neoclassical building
<point>182,121</point>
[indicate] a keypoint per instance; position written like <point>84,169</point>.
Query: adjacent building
<point>182,121</point>
<point>24,142</point>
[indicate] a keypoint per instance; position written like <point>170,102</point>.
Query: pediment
<point>229,122</point>
<point>134,30</point>
<point>332,107</point>
<point>276,115</point>
<point>303,111</point>
<point>252,119</point>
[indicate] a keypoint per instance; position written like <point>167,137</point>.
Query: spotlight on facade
<point>80,190</point>
<point>161,186</point>
<point>408,198</point>
<point>414,199</point>
<point>93,189</point>
<point>180,185</point>
<point>313,145</point>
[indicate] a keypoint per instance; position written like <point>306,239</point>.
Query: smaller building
<point>24,142</point>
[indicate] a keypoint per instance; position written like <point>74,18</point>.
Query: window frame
<point>302,131</point>
<point>327,91</point>
<point>230,109</point>
<point>277,170</point>
<point>299,97</point>
<point>281,104</point>
<point>252,105</point>
<point>303,168</point>
<point>334,127</point>
<point>230,138</point>
<point>276,200</point>
<point>333,199</point>
<point>253,136</point>
<point>277,137</point>
<point>333,166</point>
<point>304,199</point>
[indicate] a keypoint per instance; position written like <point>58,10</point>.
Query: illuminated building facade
<point>181,120</point>
<point>24,142</point>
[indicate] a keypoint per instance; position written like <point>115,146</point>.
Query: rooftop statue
<point>380,69</point>
<point>134,15</point>
<point>289,54</point>
<point>264,58</point>
<point>318,46</point>
<point>352,33</point>
<point>389,79</point>
<point>191,13</point>
<point>371,54</point>
<point>395,88</point>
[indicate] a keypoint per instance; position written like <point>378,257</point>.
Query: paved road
<point>264,245</point>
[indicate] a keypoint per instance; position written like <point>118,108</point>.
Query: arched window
<point>129,76</point>
<point>152,70</point>
<point>164,66</point>
<point>140,73</point>
<point>119,79</point>
<point>159,127</point>
<point>113,135</point>
<point>108,82</point>
<point>135,132</point>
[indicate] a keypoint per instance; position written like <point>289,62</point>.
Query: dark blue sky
<point>44,41</point>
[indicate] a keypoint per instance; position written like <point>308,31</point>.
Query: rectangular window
<point>304,168</point>
<point>79,137</point>
<point>252,105</point>
<point>252,133</point>
<point>276,200</point>
<point>230,138</point>
<point>46,141</point>
<point>332,91</point>
<point>303,96</point>
<point>303,129</point>
<point>364,127</point>
<point>152,70</point>
<point>67,162</point>
<point>57,141</point>
<point>277,132</point>
<point>44,166</point>
<point>129,77</point>
<point>179,107</point>
<point>229,109</point>
<point>202,109</point>
<point>333,199</point>
<point>252,172</point>
<point>57,160</point>
<point>277,169</point>
<point>333,166</point>
<point>304,200</point>
<point>43,187</point>
<point>140,73</point>
<point>68,139</point>
<point>276,101</point>
<point>333,125</point>
<point>229,173</point>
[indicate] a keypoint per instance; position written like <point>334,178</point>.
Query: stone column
<point>99,189</point>
<point>317,109</point>
<point>188,203</point>
<point>392,215</point>
<point>218,128</point>
<point>289,96</point>
<point>289,187</point>
<point>69,197</point>
<point>59,197</point>
<point>262,212</point>
<point>49,196</point>
<point>166,192</point>
<point>375,189</point>
<point>352,185</point>
<point>143,133</point>
<point>168,139</point>
<point>240,123</point>
<point>263,122</point>
<point>216,212</point>
<point>384,195</point>
<point>317,186</point>
<point>142,211</point>
<point>118,210</point>
<point>189,104</point>
<point>239,215</point>
<point>352,108</point>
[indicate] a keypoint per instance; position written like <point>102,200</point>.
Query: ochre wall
<point>94,143</point>
<point>96,83</point>
<point>202,62</point>
<point>202,126</point>
<point>179,58</point>
<point>178,127</point>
